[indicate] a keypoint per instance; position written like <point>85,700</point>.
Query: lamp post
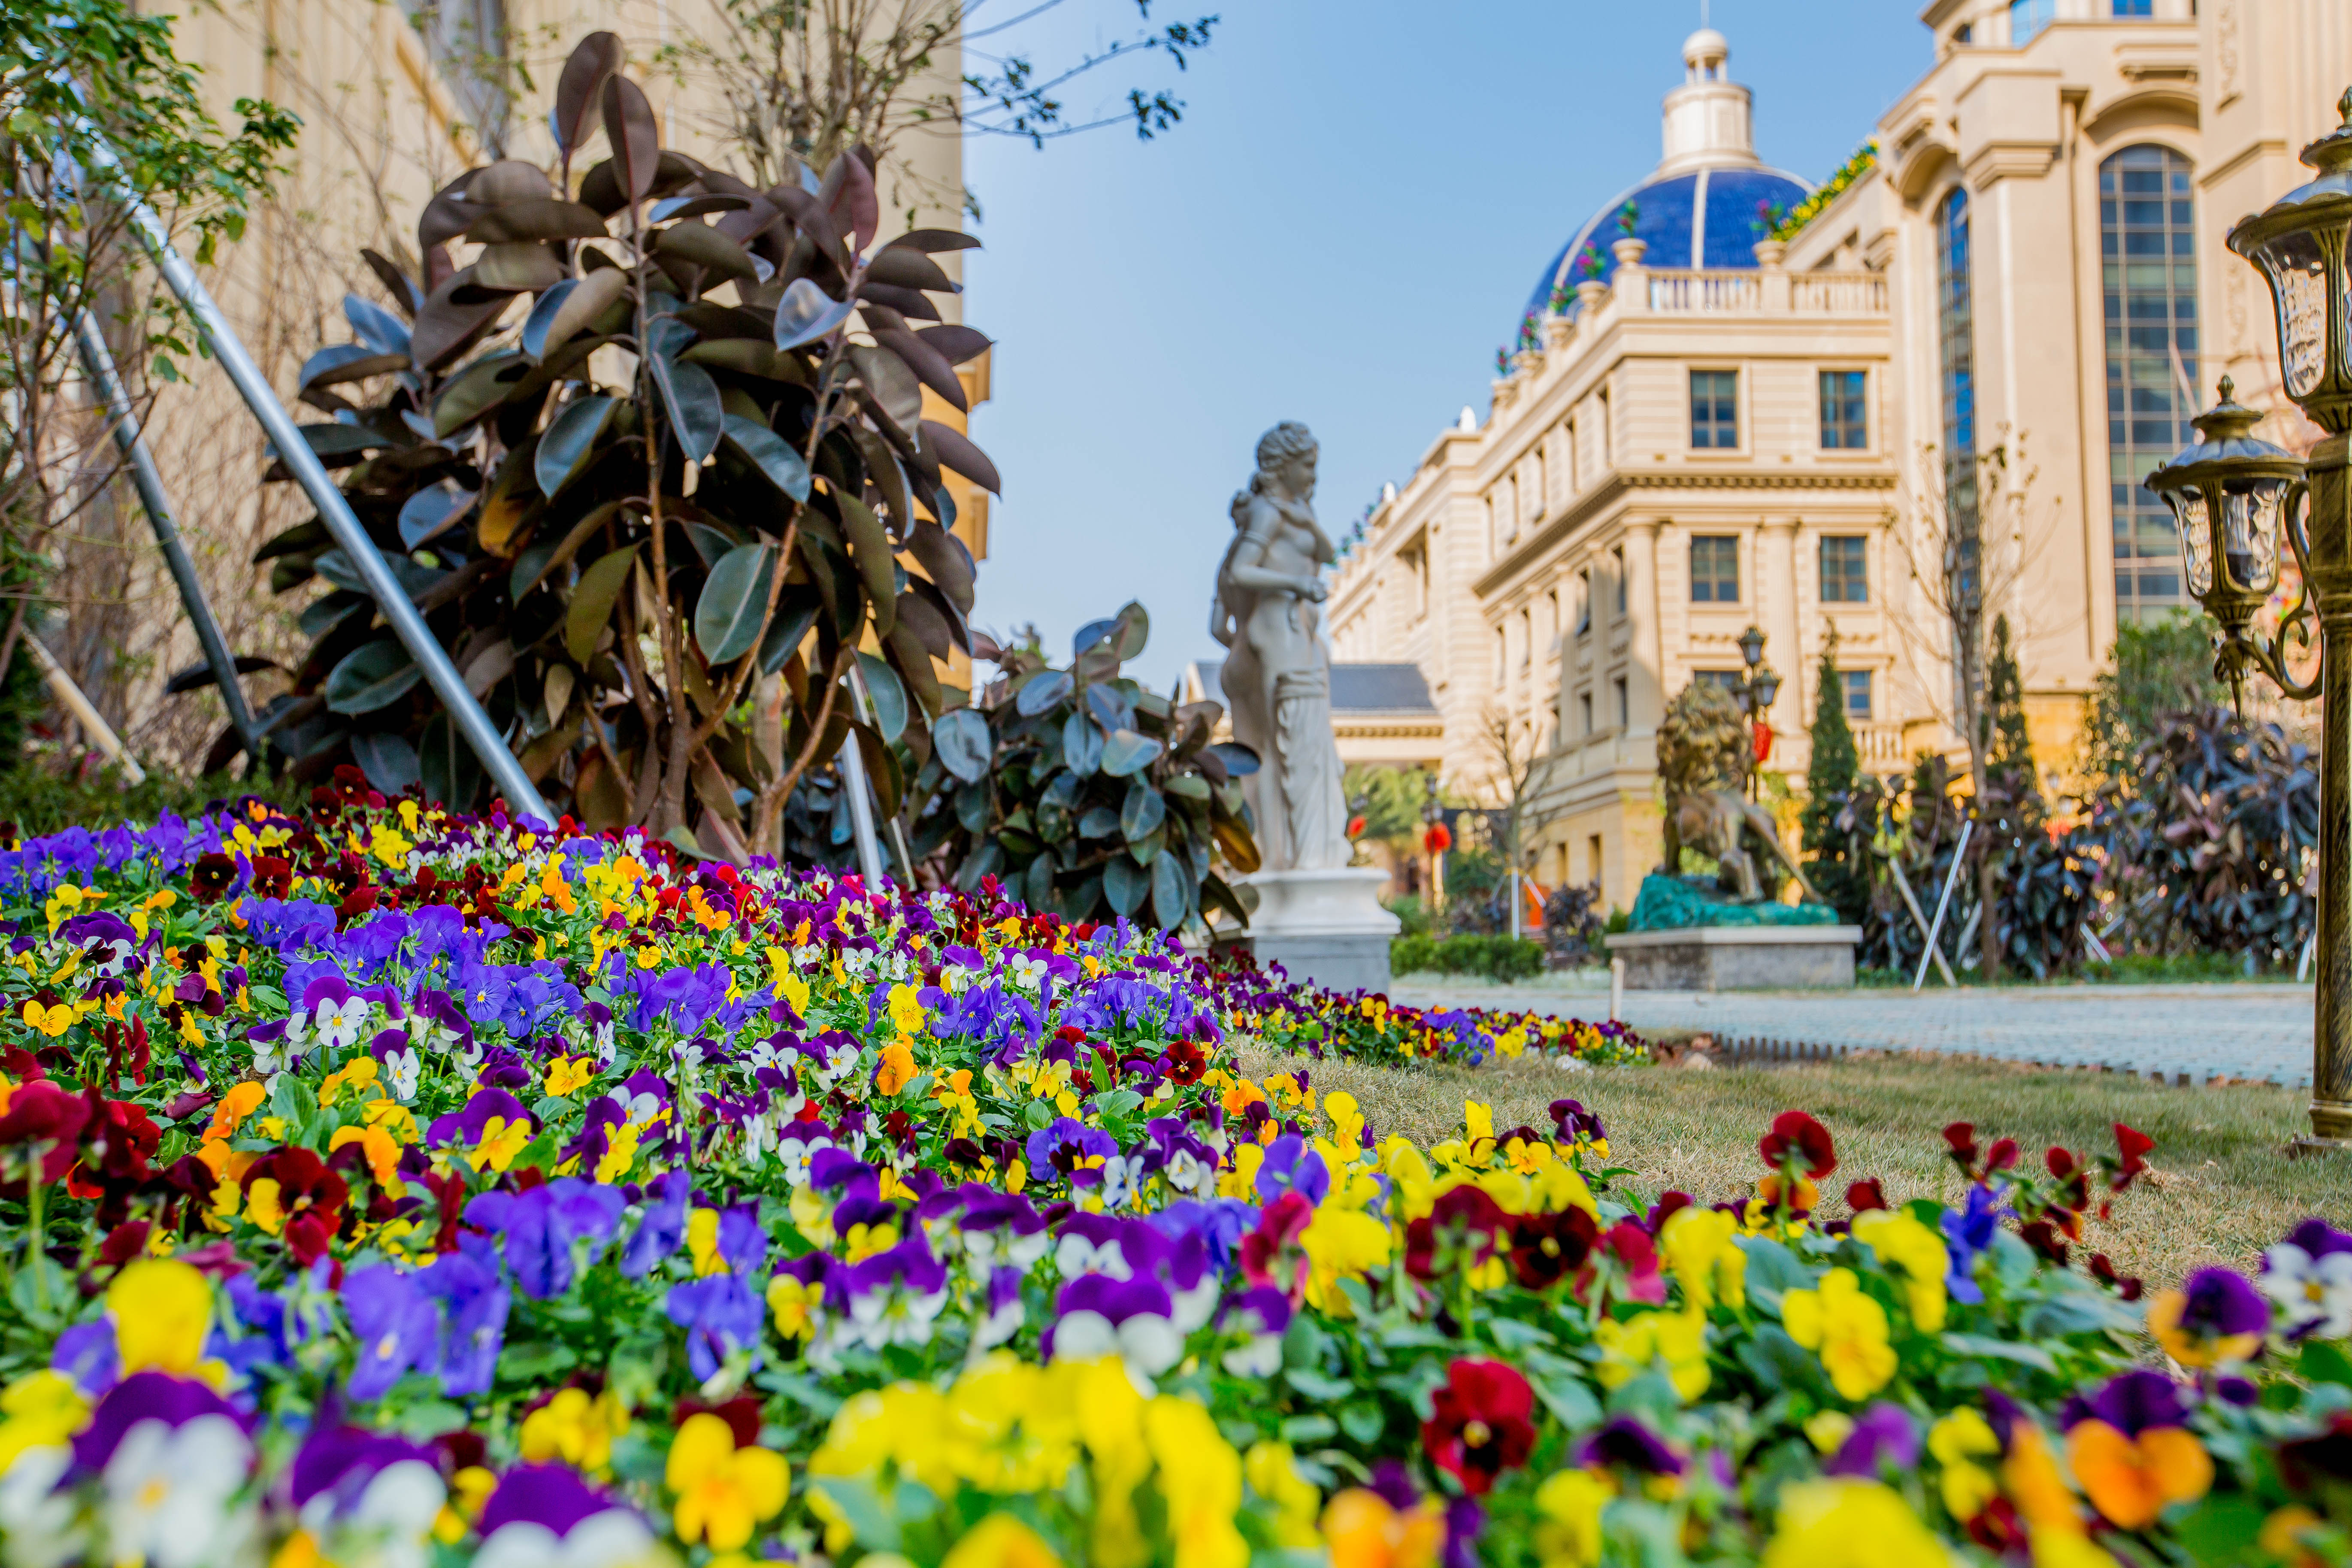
<point>1759,687</point>
<point>2233,495</point>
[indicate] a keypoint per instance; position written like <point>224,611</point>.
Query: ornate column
<point>1776,591</point>
<point>1646,660</point>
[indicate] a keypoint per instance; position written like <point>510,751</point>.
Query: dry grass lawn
<point>2223,1187</point>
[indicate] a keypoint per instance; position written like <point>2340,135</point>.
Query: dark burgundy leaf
<point>582,86</point>
<point>635,139</point>
<point>956,451</point>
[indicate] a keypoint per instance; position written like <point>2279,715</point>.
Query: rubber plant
<point>646,444</point>
<point>1087,793</point>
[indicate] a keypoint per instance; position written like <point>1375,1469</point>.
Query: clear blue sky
<point>1342,230</point>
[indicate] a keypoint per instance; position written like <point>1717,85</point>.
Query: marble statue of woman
<point>1278,676</point>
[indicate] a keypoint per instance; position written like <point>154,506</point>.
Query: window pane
<point>1715,569</point>
<point>1857,692</point>
<point>1845,422</point>
<point>2151,346</point>
<point>1844,574</point>
<point>1715,409</point>
<point>2028,17</point>
<point>1956,333</point>
<point>2132,8</point>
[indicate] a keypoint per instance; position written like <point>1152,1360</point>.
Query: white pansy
<point>168,1492</point>
<point>2313,1293</point>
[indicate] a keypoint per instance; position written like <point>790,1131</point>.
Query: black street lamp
<point>1757,688</point>
<point>2234,496</point>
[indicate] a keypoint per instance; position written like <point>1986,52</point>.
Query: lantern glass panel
<point>1768,690</point>
<point>2249,524</point>
<point>2297,271</point>
<point>2196,538</point>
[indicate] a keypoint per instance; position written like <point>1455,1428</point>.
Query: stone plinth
<point>1737,958</point>
<point>1326,927</point>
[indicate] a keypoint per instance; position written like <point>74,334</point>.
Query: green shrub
<point>1500,958</point>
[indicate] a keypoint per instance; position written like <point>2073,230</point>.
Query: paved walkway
<point>2260,1032</point>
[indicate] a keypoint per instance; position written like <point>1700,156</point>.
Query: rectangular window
<point>1715,410</point>
<point>1543,488</point>
<point>1624,706</point>
<point>1845,574</point>
<point>1715,569</point>
<point>1502,658</point>
<point>1845,415</point>
<point>1729,679</point>
<point>1583,603</point>
<point>1618,555</point>
<point>1527,638</point>
<point>1584,703</point>
<point>1857,692</point>
<point>2027,19</point>
<point>1593,858</point>
<point>2120,9</point>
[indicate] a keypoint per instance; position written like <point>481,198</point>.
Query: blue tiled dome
<point>1709,219</point>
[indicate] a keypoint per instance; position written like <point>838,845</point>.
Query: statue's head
<point>1286,456</point>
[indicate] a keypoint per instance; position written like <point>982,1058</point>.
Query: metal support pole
<point>294,451</point>
<point>1958,855</point>
<point>86,713</point>
<point>2331,574</point>
<point>898,831</point>
<point>861,809</point>
<point>98,361</point>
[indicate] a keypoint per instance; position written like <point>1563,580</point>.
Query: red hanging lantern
<point>1763,741</point>
<point>1438,839</point>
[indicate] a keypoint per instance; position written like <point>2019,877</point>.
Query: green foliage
<point>1788,225</point>
<point>1833,869</point>
<point>658,581</point>
<point>34,801</point>
<point>2212,839</point>
<point>2155,669</point>
<point>1389,800</point>
<point>2009,750</point>
<point>1085,792</point>
<point>1504,958</point>
<point>1413,915</point>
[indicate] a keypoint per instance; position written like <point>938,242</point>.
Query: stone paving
<point>2256,1031</point>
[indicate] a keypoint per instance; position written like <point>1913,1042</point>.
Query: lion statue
<point>1704,746</point>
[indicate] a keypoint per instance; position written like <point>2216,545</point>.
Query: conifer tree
<point>1829,779</point>
<point>2011,751</point>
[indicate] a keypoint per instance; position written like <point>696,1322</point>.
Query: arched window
<point>1955,331</point>
<point>2148,226</point>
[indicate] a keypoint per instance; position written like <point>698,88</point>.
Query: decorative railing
<point>1837,293</point>
<point>1685,292</point>
<point>1879,745</point>
<point>1704,293</point>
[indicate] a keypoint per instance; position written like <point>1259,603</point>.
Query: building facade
<point>1703,429</point>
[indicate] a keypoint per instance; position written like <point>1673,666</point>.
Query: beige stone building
<point>1701,433</point>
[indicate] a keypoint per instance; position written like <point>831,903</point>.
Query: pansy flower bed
<point>384,1188</point>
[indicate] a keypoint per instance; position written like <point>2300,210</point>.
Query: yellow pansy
<point>1001,1541</point>
<point>702,1242</point>
<point>162,1308</point>
<point>1271,1472</point>
<point>1201,1479</point>
<point>1697,1245</point>
<point>567,1074</point>
<point>575,1428</point>
<point>52,1020</point>
<point>793,1305</point>
<point>1851,1524</point>
<point>1918,1254</point>
<point>1675,1343</point>
<point>1963,1443</point>
<point>40,1410</point>
<point>1568,1535</point>
<point>723,1492</point>
<point>1846,1328</point>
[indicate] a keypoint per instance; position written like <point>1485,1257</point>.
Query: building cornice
<point>1623,483</point>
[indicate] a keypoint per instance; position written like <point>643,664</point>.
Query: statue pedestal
<point>1326,927</point>
<point>1737,958</point>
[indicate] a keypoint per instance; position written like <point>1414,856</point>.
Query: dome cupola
<point>1709,120</point>
<point>1704,205</point>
